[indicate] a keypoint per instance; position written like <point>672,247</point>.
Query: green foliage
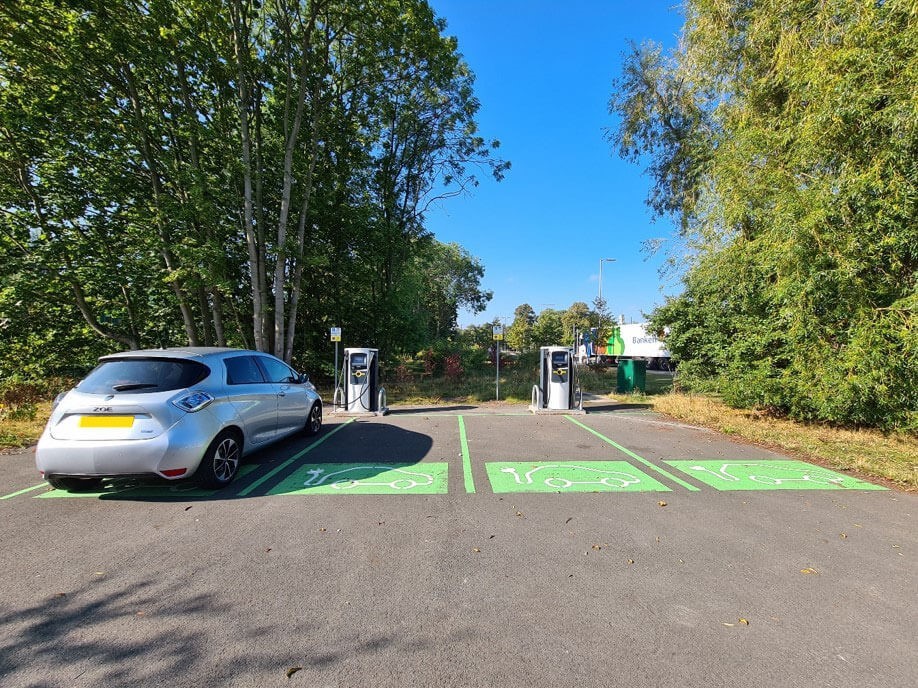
<point>519,334</point>
<point>579,317</point>
<point>798,129</point>
<point>20,400</point>
<point>549,330</point>
<point>223,172</point>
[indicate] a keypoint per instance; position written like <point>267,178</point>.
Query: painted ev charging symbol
<point>564,476</point>
<point>368,478</point>
<point>317,476</point>
<point>609,478</point>
<point>769,475</point>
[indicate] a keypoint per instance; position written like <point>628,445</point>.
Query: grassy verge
<point>870,452</point>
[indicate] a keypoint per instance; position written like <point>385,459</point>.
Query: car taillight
<point>193,401</point>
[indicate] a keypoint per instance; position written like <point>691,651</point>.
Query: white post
<point>497,381</point>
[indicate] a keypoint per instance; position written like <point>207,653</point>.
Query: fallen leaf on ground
<point>809,571</point>
<point>597,546</point>
<point>631,561</point>
<point>321,530</point>
<point>569,520</point>
<point>476,550</point>
<point>661,503</point>
<point>519,513</point>
<point>292,670</point>
<point>729,624</point>
<point>267,549</point>
<point>187,508</point>
<point>844,536</point>
<point>744,622</point>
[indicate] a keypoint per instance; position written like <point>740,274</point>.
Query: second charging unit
<point>556,390</point>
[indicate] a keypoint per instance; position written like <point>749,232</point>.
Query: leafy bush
<point>453,367</point>
<point>19,400</point>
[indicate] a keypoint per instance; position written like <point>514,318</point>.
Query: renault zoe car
<point>174,413</point>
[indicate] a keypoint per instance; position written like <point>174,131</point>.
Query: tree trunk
<point>240,42</point>
<point>292,133</point>
<point>217,313</point>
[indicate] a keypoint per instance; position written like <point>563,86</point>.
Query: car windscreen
<point>142,375</point>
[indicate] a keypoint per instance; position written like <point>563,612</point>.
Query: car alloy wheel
<point>314,421</point>
<point>226,460</point>
<point>221,461</point>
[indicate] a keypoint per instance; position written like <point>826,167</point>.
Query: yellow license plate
<point>106,421</point>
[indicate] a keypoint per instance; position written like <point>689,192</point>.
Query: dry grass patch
<point>888,456</point>
<point>24,429</point>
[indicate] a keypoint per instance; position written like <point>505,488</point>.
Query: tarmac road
<point>468,547</point>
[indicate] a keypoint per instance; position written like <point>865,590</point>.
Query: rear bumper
<point>182,446</point>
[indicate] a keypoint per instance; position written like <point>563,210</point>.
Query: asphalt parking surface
<point>464,546</point>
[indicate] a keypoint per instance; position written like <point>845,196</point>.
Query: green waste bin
<point>632,375</point>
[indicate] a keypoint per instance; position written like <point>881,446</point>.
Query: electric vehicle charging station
<point>557,391</point>
<point>359,393</point>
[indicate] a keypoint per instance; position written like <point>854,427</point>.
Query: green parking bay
<point>570,476</point>
<point>365,478</point>
<point>768,475</point>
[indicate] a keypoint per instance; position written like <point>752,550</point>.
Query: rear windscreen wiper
<point>134,385</point>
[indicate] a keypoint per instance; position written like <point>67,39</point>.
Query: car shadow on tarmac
<point>366,458</point>
<point>613,406</point>
<point>412,410</point>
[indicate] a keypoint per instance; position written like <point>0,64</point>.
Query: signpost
<point>336,337</point>
<point>498,337</point>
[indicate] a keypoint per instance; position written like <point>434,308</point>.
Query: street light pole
<point>601,261</point>
<point>601,304</point>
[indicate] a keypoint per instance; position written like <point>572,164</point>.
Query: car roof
<point>189,352</point>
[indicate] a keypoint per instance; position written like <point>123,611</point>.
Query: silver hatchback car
<point>174,413</point>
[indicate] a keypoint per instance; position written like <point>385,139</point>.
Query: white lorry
<point>634,341</point>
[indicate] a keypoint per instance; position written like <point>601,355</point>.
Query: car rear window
<point>143,375</point>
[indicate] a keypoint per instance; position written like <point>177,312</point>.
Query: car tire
<point>314,420</point>
<point>221,461</point>
<point>75,484</point>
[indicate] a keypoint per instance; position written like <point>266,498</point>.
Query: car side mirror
<point>304,378</point>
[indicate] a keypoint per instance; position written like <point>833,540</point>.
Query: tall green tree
<point>795,127</point>
<point>519,334</point>
<point>577,317</point>
<point>224,171</point>
<point>548,329</point>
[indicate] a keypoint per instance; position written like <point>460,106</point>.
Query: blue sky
<point>543,75</point>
